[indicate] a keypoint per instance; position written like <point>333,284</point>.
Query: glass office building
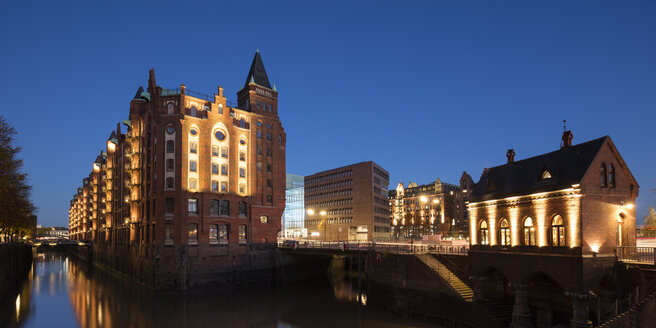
<point>294,216</point>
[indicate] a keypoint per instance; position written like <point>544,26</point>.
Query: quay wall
<point>15,262</point>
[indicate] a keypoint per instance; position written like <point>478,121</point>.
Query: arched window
<point>170,108</point>
<point>557,231</point>
<point>483,234</point>
<point>603,175</point>
<point>529,232</point>
<point>242,123</point>
<point>192,234</point>
<point>264,219</point>
<point>504,233</point>
<point>611,175</point>
<point>193,111</point>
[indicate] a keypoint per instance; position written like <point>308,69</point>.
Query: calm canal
<point>62,292</point>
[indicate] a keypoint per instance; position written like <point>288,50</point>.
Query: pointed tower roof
<point>138,94</point>
<point>257,74</point>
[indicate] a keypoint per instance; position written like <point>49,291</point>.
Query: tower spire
<point>257,74</point>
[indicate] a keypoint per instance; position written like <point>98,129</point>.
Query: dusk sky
<point>425,89</point>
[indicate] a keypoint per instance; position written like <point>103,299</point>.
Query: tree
<point>16,209</point>
<point>649,229</point>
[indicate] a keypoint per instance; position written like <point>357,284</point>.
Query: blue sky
<point>426,89</point>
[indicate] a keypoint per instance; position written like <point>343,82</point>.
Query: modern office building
<point>423,210</point>
<point>188,169</point>
<point>348,203</point>
<point>293,219</point>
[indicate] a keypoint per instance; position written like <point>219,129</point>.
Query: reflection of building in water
<point>294,215</point>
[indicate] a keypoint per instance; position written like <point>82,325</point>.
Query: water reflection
<point>62,292</point>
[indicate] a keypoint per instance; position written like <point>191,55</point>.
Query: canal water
<point>63,292</point>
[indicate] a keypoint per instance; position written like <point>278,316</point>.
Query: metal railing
<point>396,248</point>
<point>639,255</point>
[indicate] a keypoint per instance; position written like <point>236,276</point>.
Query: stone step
<point>451,279</point>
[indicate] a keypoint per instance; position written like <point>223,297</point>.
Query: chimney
<point>566,140</point>
<point>510,155</point>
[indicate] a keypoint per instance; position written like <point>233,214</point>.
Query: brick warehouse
<point>546,230</point>
<point>192,186</point>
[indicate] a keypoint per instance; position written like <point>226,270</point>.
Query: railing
<point>632,254</point>
<point>396,248</point>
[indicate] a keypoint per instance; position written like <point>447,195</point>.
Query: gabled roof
<point>257,74</point>
<point>567,166</point>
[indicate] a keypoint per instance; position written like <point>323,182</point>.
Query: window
<point>259,134</point>
<point>193,111</point>
<point>269,199</point>
<point>192,234</point>
<point>192,147</point>
<point>269,184</point>
<point>169,183</point>
<point>504,233</point>
<point>259,123</point>
<point>168,206</point>
<point>192,183</point>
<point>545,175</point>
<point>603,175</point>
<point>214,207</point>
<point>280,140</point>
<point>224,207</point>
<point>219,135</point>
<point>170,146</point>
<point>193,131</point>
<point>242,172</point>
<point>220,108</point>
<point>268,167</point>
<point>192,166</point>
<point>483,234</point>
<point>170,129</point>
<point>243,209</point>
<point>611,175</point>
<point>242,234</point>
<point>215,168</point>
<point>529,232</point>
<point>269,152</point>
<point>215,151</point>
<point>170,108</point>
<point>242,141</point>
<point>215,186</point>
<point>242,188</point>
<point>223,234</point>
<point>192,205</point>
<point>224,186</point>
<point>224,169</point>
<point>268,125</point>
<point>168,234</point>
<point>264,219</point>
<point>557,232</point>
<point>214,234</point>
<point>259,150</point>
<point>169,164</point>
<point>242,123</point>
<point>258,105</point>
<point>242,156</point>
<point>224,152</point>
<point>259,166</point>
<point>269,136</point>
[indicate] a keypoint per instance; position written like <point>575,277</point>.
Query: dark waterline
<point>63,292</point>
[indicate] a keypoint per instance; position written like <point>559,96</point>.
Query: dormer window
<point>545,175</point>
<point>490,186</point>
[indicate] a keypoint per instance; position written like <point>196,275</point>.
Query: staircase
<point>447,276</point>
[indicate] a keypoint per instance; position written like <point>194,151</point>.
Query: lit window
<point>192,205</point>
<point>242,234</point>
<point>504,233</point>
<point>192,234</point>
<point>214,234</point>
<point>242,156</point>
<point>483,235</point>
<point>219,135</point>
<point>220,108</point>
<point>264,219</point>
<point>223,234</point>
<point>557,232</point>
<point>545,175</point>
<point>529,232</point>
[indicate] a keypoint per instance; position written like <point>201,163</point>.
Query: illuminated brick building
<point>348,203</point>
<point>188,169</point>
<point>545,231</point>
<point>420,210</point>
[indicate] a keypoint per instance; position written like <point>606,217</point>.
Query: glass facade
<point>294,216</point>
